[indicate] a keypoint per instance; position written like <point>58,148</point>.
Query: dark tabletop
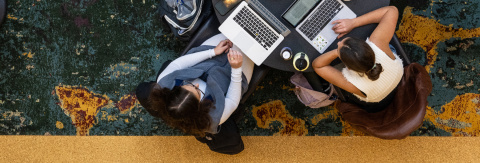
<point>297,43</point>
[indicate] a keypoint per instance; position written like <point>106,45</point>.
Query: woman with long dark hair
<point>198,92</point>
<point>372,70</point>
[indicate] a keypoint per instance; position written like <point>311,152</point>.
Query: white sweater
<point>388,80</point>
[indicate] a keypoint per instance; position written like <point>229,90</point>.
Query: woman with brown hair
<point>198,92</point>
<point>372,70</point>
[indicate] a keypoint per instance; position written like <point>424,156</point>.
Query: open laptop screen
<point>298,10</point>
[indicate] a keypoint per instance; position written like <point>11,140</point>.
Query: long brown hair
<point>180,109</point>
<point>358,56</point>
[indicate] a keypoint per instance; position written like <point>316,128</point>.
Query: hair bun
<point>374,73</point>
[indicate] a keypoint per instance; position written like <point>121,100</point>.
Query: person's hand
<point>343,26</point>
<point>235,58</point>
<point>223,47</point>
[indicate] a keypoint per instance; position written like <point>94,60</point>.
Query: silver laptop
<point>251,33</point>
<point>316,28</point>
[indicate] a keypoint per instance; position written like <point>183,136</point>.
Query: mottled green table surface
<point>70,67</point>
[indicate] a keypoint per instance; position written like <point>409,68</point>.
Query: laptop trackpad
<point>243,41</point>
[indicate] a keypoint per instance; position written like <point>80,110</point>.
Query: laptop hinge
<point>269,17</point>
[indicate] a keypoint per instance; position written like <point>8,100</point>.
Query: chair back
<point>403,116</point>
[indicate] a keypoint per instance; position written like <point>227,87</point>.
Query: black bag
<point>227,141</point>
<point>184,16</point>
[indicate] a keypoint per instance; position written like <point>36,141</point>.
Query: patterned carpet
<point>70,68</point>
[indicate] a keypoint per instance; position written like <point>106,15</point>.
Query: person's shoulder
<point>382,48</point>
<point>370,43</point>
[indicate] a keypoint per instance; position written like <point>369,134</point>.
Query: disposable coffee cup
<point>286,53</point>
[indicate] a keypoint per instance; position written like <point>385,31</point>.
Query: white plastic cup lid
<point>286,54</point>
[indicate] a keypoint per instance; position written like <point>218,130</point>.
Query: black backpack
<point>184,16</point>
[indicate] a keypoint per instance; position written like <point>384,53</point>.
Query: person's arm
<point>322,67</point>
<point>234,93</point>
<point>386,17</point>
<point>186,61</point>
<point>192,59</point>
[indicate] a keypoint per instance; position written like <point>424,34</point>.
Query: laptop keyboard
<point>320,18</point>
<point>254,26</point>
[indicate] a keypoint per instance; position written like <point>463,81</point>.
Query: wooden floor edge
<point>257,149</point>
